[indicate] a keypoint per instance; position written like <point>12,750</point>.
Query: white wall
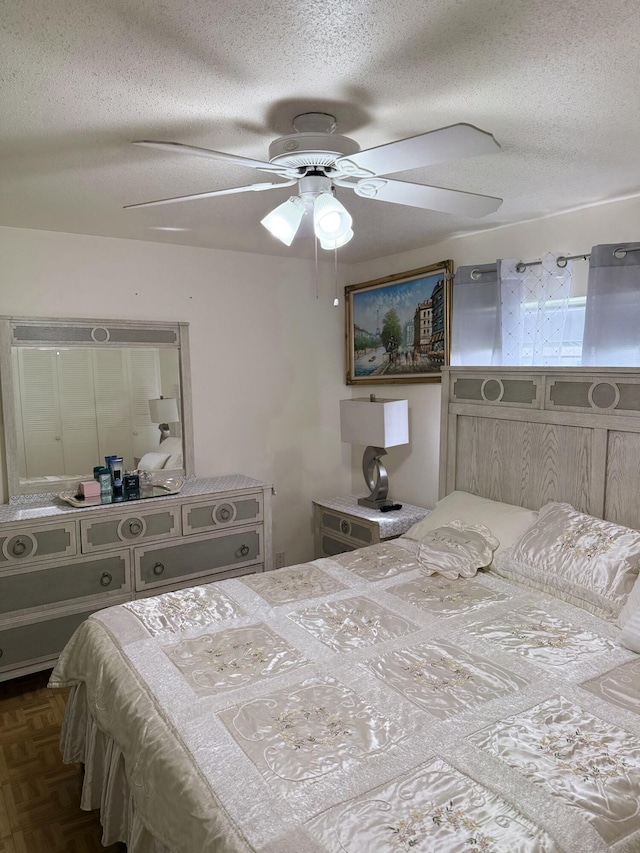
<point>413,470</point>
<point>267,357</point>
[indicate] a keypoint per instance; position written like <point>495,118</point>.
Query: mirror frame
<point>51,331</point>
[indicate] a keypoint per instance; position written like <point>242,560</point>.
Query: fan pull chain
<point>315,247</point>
<point>336,300</point>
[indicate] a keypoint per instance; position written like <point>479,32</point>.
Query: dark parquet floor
<point>39,795</point>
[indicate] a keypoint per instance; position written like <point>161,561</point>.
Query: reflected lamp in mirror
<point>379,424</point>
<point>164,411</point>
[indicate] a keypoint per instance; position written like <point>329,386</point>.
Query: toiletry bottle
<point>104,478</point>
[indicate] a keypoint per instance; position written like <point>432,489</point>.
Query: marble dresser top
<point>27,507</point>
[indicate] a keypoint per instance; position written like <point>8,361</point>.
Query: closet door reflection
<point>76,405</point>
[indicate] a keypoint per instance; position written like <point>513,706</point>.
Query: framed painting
<point>398,327</point>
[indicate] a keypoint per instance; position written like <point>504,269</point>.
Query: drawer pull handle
<point>225,513</point>
<point>135,527</point>
<point>106,579</point>
<point>244,550</point>
<point>345,526</point>
<point>1,653</point>
<point>158,569</point>
<point>19,548</point>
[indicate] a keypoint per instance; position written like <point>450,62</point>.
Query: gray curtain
<point>612,317</point>
<point>475,315</point>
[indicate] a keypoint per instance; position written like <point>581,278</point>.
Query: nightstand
<point>342,524</point>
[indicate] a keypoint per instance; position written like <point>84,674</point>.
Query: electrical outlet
<point>280,560</point>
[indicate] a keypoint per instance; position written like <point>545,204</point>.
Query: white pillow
<point>631,632</point>
<point>174,461</point>
<point>631,606</point>
<point>171,444</point>
<point>152,461</point>
<point>456,550</point>
<point>505,521</point>
<point>581,559</point>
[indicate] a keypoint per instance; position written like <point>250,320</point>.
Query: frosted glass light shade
<point>283,222</point>
<point>331,220</point>
<point>164,410</point>
<point>336,244</point>
<point>378,423</point>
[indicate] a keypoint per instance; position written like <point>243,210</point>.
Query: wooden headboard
<point>526,436</point>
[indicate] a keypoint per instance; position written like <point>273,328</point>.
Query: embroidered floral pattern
<point>379,561</point>
<point>409,832</point>
<point>587,762</point>
<point>442,678</point>
<point>292,584</point>
<point>418,670</point>
<point>352,623</point>
<point>310,726</point>
<point>589,539</point>
<point>445,597</point>
<point>433,809</point>
<point>545,639</point>
<point>228,659</point>
<point>600,764</point>
<point>187,608</point>
<point>318,729</point>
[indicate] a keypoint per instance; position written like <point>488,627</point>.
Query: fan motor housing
<point>303,150</point>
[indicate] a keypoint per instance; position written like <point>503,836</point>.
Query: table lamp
<point>164,411</point>
<point>378,424</point>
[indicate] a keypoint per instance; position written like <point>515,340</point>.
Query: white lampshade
<point>284,221</point>
<point>336,244</point>
<point>331,220</point>
<point>164,410</point>
<point>378,423</point>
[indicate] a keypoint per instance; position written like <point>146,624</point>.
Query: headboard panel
<point>527,436</point>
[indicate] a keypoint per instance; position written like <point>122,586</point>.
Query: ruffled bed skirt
<point>105,786</point>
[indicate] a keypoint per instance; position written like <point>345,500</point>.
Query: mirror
<point>75,391</point>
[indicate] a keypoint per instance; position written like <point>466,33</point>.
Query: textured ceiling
<point>555,82</point>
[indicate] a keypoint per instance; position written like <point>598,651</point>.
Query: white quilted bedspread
<point>353,705</point>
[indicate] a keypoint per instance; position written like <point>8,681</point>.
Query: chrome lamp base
<point>375,476</point>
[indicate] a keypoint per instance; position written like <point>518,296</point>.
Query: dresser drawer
<point>159,565</point>
<point>42,542</point>
<point>355,531</point>
<point>38,641</point>
<point>26,588</point>
<point>134,525</point>
<point>215,514</point>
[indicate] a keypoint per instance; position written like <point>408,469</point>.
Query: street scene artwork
<point>398,328</point>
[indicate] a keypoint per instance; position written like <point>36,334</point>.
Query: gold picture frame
<point>398,328</point>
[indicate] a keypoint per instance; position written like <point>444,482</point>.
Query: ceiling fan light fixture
<point>283,221</point>
<point>336,244</point>
<point>331,220</point>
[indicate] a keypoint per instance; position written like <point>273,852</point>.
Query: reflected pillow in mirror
<point>174,461</point>
<point>456,549</point>
<point>152,461</point>
<point>575,557</point>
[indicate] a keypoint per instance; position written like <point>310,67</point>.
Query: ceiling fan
<point>318,160</point>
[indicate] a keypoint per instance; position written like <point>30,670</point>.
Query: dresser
<point>58,564</point>
<point>342,524</point>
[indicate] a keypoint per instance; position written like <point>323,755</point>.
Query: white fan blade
<point>429,198</point>
<point>256,188</point>
<point>206,152</point>
<point>438,146</point>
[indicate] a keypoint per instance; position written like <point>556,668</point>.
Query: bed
<point>474,685</point>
